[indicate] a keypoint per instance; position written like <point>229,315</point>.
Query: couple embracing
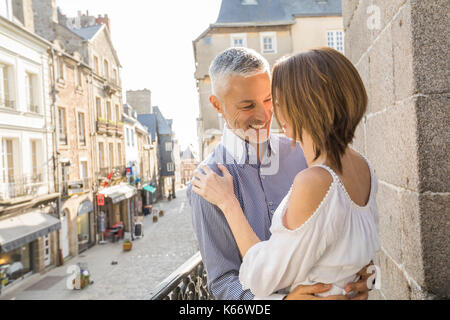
<point>290,216</point>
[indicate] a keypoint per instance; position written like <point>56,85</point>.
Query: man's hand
<point>307,293</point>
<point>360,287</point>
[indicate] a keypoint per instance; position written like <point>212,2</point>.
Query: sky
<point>153,40</point>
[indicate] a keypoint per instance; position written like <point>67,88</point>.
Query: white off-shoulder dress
<point>335,243</point>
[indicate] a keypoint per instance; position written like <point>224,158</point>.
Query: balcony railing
<point>118,172</point>
<point>33,108</point>
<point>20,186</point>
<point>11,104</point>
<point>188,282</point>
<point>75,187</point>
<point>102,126</point>
<point>111,128</point>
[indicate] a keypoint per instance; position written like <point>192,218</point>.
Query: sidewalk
<point>165,246</point>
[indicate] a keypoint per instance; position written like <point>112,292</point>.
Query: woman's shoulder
<point>309,189</point>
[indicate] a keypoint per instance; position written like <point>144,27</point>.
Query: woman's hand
<point>214,188</point>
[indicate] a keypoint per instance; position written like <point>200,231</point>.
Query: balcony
<point>102,126</point>
<point>10,104</point>
<point>111,128</point>
<point>118,174</point>
<point>72,188</point>
<point>119,129</point>
<point>188,282</point>
<point>23,186</point>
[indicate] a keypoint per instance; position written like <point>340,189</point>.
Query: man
<point>263,167</point>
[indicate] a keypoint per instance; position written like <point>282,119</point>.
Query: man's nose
<point>262,114</point>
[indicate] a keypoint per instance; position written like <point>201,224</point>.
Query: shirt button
<point>272,211</point>
<point>263,177</point>
<point>270,203</point>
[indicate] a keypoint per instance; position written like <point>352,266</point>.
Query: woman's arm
<point>219,191</point>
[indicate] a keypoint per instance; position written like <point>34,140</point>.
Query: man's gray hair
<point>236,61</point>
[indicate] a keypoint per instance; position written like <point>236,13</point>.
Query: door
<point>47,250</point>
<point>64,234</point>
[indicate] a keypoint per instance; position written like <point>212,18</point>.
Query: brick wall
<point>401,52</point>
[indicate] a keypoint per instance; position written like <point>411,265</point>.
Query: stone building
<point>188,165</point>
<point>28,198</point>
<point>272,28</point>
<point>401,51</point>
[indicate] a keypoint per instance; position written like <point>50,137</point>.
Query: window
<point>239,40</point>
<point>81,129</point>
<point>60,68</point>
<point>335,40</point>
<point>8,160</point>
<point>114,79</point>
<point>170,167</point>
<point>249,2</point>
<point>108,110</point>
<point>31,83</point>
<point>5,88</point>
<point>35,163</point>
<point>111,155</point>
<point>128,137</point>
<point>132,137</point>
<point>6,9</point>
<point>84,170</point>
<point>100,155</point>
<point>79,77</point>
<point>98,104</point>
<point>96,65</point>
<point>168,146</point>
<point>62,126</point>
<point>117,113</point>
<point>119,152</point>
<point>106,69</point>
<point>268,42</point>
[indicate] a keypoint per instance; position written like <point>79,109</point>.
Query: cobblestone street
<point>165,246</point>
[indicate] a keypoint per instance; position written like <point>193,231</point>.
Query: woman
<point>325,229</point>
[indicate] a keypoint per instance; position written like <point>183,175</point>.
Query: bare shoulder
<point>308,190</point>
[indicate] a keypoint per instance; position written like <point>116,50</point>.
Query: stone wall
<point>401,52</point>
<point>140,100</point>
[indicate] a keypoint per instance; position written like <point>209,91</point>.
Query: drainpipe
<point>55,154</point>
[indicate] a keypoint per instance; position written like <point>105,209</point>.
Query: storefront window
<point>83,230</point>
<point>15,264</point>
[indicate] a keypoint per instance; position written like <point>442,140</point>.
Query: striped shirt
<point>260,188</point>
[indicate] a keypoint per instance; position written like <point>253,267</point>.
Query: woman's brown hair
<point>321,92</point>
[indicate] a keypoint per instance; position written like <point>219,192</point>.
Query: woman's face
<point>286,125</point>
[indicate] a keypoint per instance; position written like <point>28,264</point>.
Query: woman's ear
<point>216,104</point>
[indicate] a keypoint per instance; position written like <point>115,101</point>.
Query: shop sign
<point>101,199</point>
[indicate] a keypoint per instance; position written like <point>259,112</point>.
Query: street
<point>165,246</point>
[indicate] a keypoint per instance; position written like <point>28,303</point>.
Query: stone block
<point>359,139</point>
<point>388,9</point>
<point>433,118</point>
<point>381,81</point>
<point>348,9</point>
<point>435,218</point>
<point>404,80</point>
<point>394,285</point>
<point>431,42</point>
<point>392,147</point>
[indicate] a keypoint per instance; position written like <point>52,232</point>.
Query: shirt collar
<point>243,152</point>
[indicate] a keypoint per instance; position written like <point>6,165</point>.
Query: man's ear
<point>216,104</point>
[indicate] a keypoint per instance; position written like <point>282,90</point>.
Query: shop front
<point>18,240</point>
<point>84,225</point>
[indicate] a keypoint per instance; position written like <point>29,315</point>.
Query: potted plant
<point>127,245</point>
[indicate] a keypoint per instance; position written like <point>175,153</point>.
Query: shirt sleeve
<point>218,249</point>
<point>288,255</point>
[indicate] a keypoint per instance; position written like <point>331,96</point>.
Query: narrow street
<point>165,246</point>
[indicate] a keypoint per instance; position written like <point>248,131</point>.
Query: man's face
<point>246,106</point>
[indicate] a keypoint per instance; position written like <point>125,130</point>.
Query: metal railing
<point>21,186</point>
<point>188,282</point>
<point>11,104</point>
<point>69,188</point>
<point>33,108</point>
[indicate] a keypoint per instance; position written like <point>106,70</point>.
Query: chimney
<point>23,11</point>
<point>103,20</point>
<point>45,16</point>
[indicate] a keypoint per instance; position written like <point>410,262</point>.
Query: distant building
<point>189,163</point>
<point>274,28</point>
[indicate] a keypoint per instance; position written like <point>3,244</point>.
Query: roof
<point>187,154</point>
<point>265,11</point>
<point>87,33</point>
<point>149,120</point>
<point>273,12</point>
<point>164,126</point>
<point>313,7</point>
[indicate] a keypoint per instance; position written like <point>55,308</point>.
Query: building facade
<point>28,198</point>
<point>272,28</point>
<point>188,165</point>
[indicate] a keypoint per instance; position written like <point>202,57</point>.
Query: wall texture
<point>401,52</point>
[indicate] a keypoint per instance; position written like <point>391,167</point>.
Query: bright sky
<point>154,42</point>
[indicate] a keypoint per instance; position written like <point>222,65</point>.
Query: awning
<point>119,193</point>
<point>150,189</point>
<point>85,207</point>
<point>20,230</point>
